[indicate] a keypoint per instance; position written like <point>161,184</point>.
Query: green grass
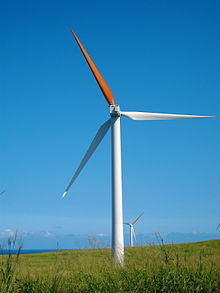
<point>193,267</point>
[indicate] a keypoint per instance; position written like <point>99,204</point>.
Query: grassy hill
<point>191,267</point>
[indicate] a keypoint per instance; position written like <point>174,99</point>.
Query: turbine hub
<point>115,111</point>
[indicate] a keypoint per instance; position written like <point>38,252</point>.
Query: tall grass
<point>164,268</point>
<point>8,265</point>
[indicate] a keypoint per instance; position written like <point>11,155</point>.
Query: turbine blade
<point>218,226</point>
<point>137,219</point>
<point>159,116</point>
<point>102,84</point>
<point>134,234</point>
<point>96,141</point>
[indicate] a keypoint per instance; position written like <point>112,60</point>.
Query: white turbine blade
<point>96,141</point>
<point>134,234</point>
<point>135,221</point>
<point>159,116</point>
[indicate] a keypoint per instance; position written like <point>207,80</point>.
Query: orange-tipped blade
<point>102,84</point>
<point>137,219</point>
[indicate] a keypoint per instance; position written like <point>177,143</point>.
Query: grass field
<point>193,267</point>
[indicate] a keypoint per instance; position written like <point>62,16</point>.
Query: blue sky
<point>156,56</point>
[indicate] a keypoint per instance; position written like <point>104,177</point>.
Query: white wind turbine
<point>114,124</point>
<point>132,232</point>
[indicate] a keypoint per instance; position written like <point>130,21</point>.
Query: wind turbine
<point>132,232</point>
<point>114,124</point>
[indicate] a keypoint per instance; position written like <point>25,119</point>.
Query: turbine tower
<point>132,232</point>
<point>114,124</point>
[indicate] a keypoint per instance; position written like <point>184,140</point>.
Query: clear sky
<point>156,56</point>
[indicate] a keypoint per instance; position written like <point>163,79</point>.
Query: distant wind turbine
<point>132,232</point>
<point>114,124</point>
